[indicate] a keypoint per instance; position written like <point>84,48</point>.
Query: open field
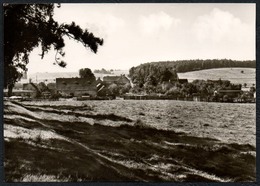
<point>129,140</point>
<point>232,74</point>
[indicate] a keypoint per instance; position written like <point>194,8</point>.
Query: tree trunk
<point>10,90</point>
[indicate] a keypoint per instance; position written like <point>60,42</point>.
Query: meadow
<point>233,74</point>
<point>129,140</point>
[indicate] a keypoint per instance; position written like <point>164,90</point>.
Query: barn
<point>76,87</point>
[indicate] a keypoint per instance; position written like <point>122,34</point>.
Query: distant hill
<point>232,74</point>
<point>51,76</point>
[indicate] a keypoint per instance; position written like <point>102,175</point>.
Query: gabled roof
<point>111,78</point>
<point>114,78</point>
<point>79,81</point>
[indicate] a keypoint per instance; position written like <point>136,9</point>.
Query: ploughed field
<point>129,140</point>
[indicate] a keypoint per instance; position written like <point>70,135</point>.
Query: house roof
<point>81,81</point>
<point>111,78</point>
<point>99,80</point>
<point>115,78</point>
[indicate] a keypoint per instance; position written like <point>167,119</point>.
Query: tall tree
<point>27,26</point>
<point>87,73</point>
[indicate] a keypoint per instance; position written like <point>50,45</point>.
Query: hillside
<point>232,74</point>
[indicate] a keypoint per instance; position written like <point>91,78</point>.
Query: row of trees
<point>103,71</point>
<point>198,64</point>
<point>201,87</point>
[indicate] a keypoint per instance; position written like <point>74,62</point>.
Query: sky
<point>138,33</point>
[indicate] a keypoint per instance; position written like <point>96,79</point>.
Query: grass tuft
<point>140,124</point>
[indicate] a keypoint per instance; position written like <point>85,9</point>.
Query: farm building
<point>76,87</point>
<point>183,81</point>
<point>230,93</point>
<point>31,87</point>
<point>119,80</point>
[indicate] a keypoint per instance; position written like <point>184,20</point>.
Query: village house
<point>99,80</point>
<point>228,95</point>
<point>100,86</point>
<point>32,88</point>
<point>76,87</point>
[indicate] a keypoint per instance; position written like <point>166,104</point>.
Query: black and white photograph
<point>129,92</point>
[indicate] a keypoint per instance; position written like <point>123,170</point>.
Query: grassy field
<point>232,74</point>
<point>130,140</point>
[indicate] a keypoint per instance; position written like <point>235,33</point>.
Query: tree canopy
<point>87,73</point>
<point>150,74</point>
<point>27,26</point>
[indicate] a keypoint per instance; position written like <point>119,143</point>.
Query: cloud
<point>112,24</point>
<point>221,26</point>
<point>102,24</point>
<point>154,23</point>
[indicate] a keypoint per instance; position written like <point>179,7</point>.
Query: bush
<point>140,124</point>
<point>55,96</point>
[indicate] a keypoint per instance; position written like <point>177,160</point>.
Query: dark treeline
<point>198,64</point>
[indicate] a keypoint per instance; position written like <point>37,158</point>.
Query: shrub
<point>38,139</point>
<point>140,124</point>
